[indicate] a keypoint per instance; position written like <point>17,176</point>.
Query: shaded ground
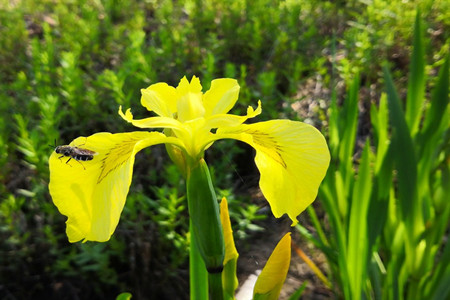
<point>254,252</point>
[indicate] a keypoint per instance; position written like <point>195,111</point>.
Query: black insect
<point>76,153</point>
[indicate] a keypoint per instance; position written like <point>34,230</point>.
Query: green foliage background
<point>66,66</point>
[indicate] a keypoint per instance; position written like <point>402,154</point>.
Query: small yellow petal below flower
<point>92,193</point>
<point>292,158</point>
<point>272,277</point>
<point>229,278</point>
<point>230,248</point>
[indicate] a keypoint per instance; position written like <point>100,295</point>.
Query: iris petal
<point>292,158</point>
<point>92,193</point>
<point>272,277</point>
<point>228,120</point>
<point>160,98</point>
<point>221,97</point>
<point>154,122</point>
<point>230,248</point>
<point>189,105</point>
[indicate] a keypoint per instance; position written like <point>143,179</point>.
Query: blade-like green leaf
<point>416,82</point>
<point>298,293</point>
<point>348,120</point>
<point>379,203</point>
<point>333,139</point>
<point>439,284</point>
<point>403,150</point>
<point>438,106</point>
<point>379,119</point>
<point>326,249</point>
<point>315,220</point>
<point>357,255</point>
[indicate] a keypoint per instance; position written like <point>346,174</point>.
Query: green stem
<point>205,216</point>
<point>197,270</point>
<point>215,285</point>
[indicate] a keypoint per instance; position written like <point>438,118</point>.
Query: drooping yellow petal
<point>190,105</point>
<point>221,97</point>
<point>292,158</point>
<point>160,98</point>
<point>92,193</point>
<point>270,281</point>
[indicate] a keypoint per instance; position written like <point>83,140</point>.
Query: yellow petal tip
<point>272,277</point>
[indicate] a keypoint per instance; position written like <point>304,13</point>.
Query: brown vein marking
<point>116,157</point>
<point>268,145</point>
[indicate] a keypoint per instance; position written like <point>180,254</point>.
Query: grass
<point>65,67</point>
<point>387,214</point>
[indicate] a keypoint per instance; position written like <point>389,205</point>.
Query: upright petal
<point>92,193</point>
<point>292,158</point>
<point>160,98</point>
<point>221,97</point>
<point>190,105</point>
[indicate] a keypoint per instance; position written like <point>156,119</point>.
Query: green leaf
<point>348,125</point>
<point>357,254</point>
<point>416,82</point>
<point>439,284</point>
<point>438,106</point>
<point>298,293</point>
<point>333,140</point>
<point>402,150</point>
<point>379,203</point>
<point>326,249</point>
<point>379,118</point>
<point>349,122</point>
<point>124,296</point>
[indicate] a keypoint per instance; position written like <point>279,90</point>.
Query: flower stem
<point>215,286</point>
<point>204,214</point>
<point>197,270</point>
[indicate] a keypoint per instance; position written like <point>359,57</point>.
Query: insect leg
<point>68,160</point>
<point>80,164</point>
<point>83,144</point>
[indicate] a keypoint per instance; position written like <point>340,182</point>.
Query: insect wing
<point>81,151</point>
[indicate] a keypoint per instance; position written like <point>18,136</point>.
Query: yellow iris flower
<point>90,190</point>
